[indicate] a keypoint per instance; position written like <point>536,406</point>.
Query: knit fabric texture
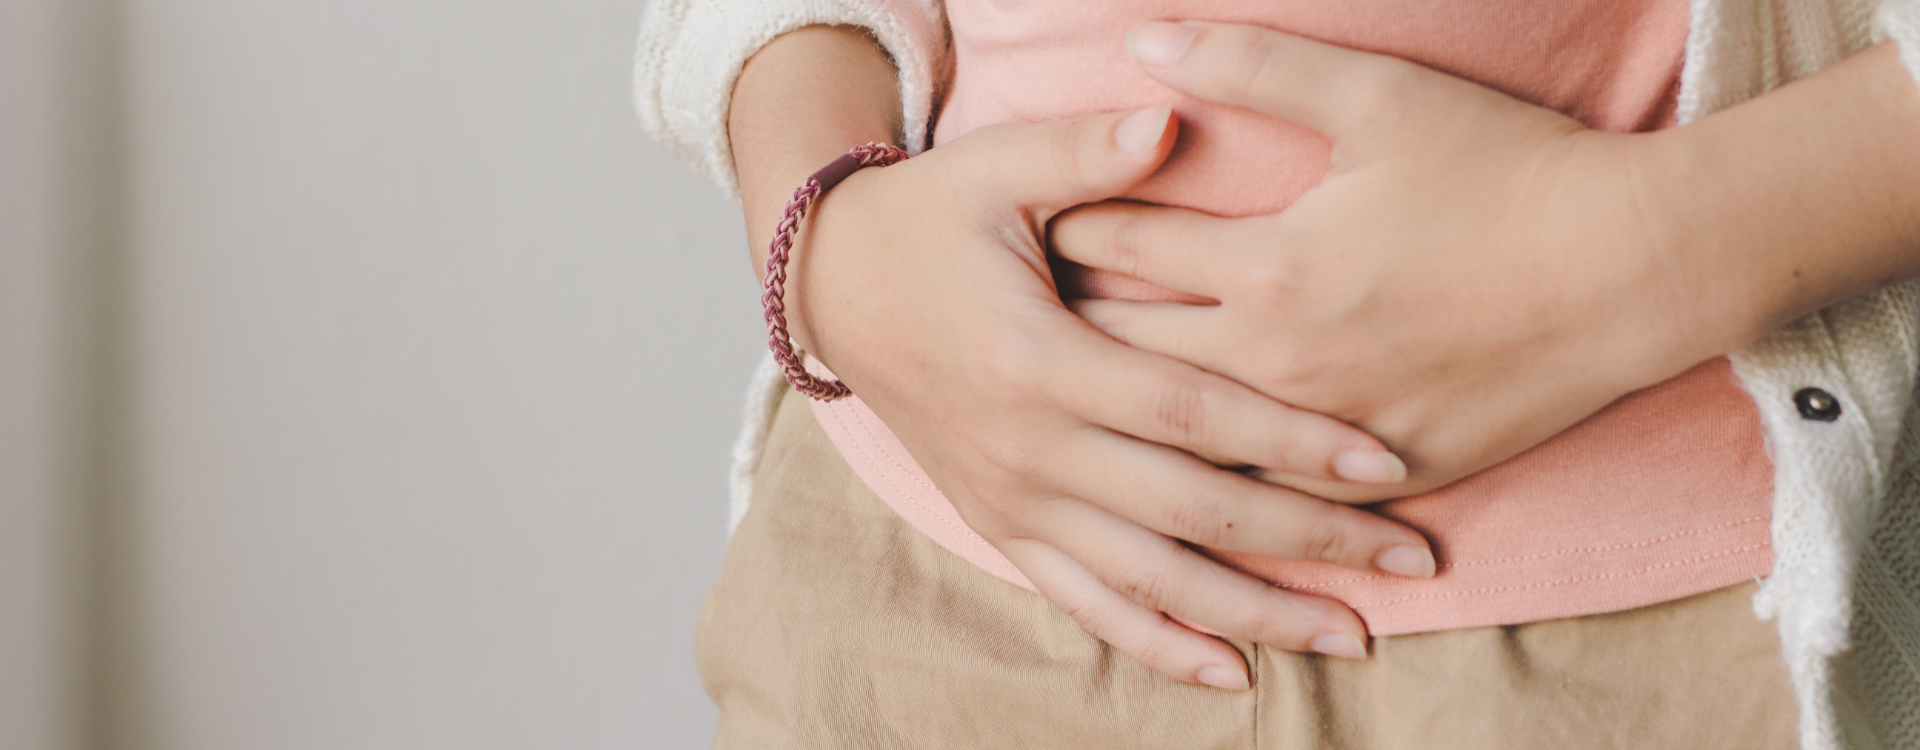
<point>691,51</point>
<point>1845,591</point>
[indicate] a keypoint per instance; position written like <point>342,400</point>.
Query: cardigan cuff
<point>691,52</point>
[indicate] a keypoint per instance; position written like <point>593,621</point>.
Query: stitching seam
<point>1551,553</point>
<point>868,458</point>
<point>1550,584</point>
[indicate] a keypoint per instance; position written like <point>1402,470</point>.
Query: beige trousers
<point>835,625</point>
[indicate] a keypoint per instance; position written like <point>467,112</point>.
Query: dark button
<point>1817,404</point>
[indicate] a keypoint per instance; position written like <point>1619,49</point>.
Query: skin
<point>1076,456</point>
<point>1572,266</point>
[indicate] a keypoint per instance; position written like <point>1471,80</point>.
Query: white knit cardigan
<point>1845,589</point>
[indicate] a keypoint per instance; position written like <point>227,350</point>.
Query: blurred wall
<point>58,231</point>
<point>405,375</point>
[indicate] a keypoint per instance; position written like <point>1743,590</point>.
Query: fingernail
<point>1371,467</point>
<point>1142,130</point>
<point>1406,560</point>
<point>1160,43</point>
<point>1343,645</point>
<point>1224,678</point>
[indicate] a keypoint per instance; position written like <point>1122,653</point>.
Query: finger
<point>1180,496</point>
<point>1050,166</point>
<point>1188,333</point>
<point>1149,637</point>
<point>1153,395</point>
<point>1337,91</point>
<point>1171,247</point>
<point>1163,575</point>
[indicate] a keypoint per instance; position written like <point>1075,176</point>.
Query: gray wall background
<point>366,380</point>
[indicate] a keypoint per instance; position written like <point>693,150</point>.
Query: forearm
<point>802,100</point>
<point>1801,198</point>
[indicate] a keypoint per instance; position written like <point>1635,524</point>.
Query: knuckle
<point>1391,74</point>
<point>1013,366</point>
<point>1258,65</point>
<point>1278,269</point>
<point>1380,87</point>
<point>1089,616</point>
<point>1157,654</point>
<point>1180,412</point>
<point>1289,453</point>
<point>1129,244</point>
<point>1269,280</point>
<point>1265,278</point>
<point>1201,520</point>
<point>1125,245</point>
<point>1327,540</point>
<point>1146,586</point>
<point>1070,153</point>
<point>1280,621</point>
<point>1262,619</point>
<point>1011,458</point>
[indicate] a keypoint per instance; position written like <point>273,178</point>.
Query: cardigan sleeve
<point>1899,20</point>
<point>691,52</point>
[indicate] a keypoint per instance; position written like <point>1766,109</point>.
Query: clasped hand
<point>1472,277</point>
<point>1475,274</point>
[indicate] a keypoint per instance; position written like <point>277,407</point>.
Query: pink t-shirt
<point>1664,494</point>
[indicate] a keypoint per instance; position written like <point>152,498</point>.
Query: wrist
<point>1713,291</point>
<point>1795,200</point>
<point>1634,285</point>
<point>799,103</point>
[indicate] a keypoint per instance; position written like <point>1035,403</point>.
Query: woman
<point>1101,558</point>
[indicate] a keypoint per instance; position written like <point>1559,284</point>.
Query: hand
<point>925,287</point>
<point>1475,274</point>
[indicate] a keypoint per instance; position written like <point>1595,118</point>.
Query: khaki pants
<point>835,625</point>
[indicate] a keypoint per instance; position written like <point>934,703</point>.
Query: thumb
<point>1051,166</point>
<point>1342,93</point>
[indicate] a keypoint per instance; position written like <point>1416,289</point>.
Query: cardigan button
<point>1817,404</point>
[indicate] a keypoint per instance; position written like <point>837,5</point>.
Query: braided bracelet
<point>869,155</point>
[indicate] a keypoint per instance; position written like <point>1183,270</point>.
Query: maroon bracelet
<point>869,155</point>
